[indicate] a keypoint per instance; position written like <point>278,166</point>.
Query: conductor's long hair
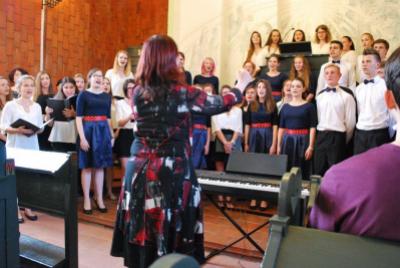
<point>157,70</point>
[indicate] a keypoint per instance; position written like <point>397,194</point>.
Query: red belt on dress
<point>200,126</point>
<point>94,118</point>
<point>276,93</point>
<point>260,125</point>
<point>297,131</point>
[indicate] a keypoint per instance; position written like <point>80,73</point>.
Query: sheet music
<point>37,160</point>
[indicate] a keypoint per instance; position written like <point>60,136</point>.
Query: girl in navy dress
<point>201,136</point>
<point>95,134</point>
<point>262,126</point>
<point>297,127</point>
<point>250,95</point>
<point>274,77</point>
<point>207,74</point>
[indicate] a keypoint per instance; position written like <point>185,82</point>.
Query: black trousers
<point>367,139</point>
<point>330,149</point>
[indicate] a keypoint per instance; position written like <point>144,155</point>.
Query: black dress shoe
<point>31,217</point>
<point>102,210</point>
<point>87,211</point>
<point>21,220</point>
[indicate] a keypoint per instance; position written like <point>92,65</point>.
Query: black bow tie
<point>366,81</point>
<point>328,89</point>
<point>336,61</point>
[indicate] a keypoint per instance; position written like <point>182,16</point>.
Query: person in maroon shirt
<point>360,195</point>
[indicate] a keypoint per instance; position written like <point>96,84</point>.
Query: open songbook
<point>58,107</point>
<point>28,125</point>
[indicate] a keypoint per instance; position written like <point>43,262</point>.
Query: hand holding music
<point>69,113</point>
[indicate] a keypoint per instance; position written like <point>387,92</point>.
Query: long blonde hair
<point>38,86</point>
<point>305,76</point>
<point>127,69</point>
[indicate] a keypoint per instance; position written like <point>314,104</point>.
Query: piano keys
<point>243,185</point>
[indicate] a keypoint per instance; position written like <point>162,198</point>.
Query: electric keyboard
<point>244,185</point>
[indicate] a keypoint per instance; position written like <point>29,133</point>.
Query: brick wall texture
<point>80,34</point>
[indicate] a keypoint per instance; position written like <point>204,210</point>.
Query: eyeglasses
<point>97,75</point>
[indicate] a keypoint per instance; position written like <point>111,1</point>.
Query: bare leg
<point>109,179</point>
<point>99,181</point>
<point>86,177</point>
<point>219,166</point>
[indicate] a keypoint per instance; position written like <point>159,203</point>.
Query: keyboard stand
<point>245,235</point>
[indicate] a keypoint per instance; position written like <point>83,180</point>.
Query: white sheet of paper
<point>37,160</point>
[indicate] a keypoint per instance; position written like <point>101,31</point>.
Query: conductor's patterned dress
<point>159,208</point>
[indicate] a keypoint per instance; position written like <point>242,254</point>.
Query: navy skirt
<point>260,140</point>
<point>295,146</point>
<point>99,155</point>
<point>199,141</point>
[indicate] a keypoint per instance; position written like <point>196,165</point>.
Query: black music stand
<point>250,163</point>
<point>9,230</point>
<point>295,48</point>
<point>45,182</point>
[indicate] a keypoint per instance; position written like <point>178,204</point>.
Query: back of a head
<point>392,74</point>
<point>157,63</point>
<point>175,260</point>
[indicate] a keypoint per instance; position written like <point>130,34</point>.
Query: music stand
<point>295,48</point>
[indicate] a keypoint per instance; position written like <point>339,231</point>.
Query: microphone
<point>286,34</point>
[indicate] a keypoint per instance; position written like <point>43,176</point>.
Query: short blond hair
<point>23,78</point>
<point>332,65</point>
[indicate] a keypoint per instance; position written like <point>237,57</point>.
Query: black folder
<point>58,107</point>
<point>28,125</point>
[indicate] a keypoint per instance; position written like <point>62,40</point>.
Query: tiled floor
<point>94,244</point>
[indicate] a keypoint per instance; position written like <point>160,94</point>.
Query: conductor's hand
<point>84,145</point>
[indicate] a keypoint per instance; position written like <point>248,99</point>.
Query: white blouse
<point>351,58</point>
<point>269,51</point>
<point>259,58</point>
<point>117,81</point>
<point>122,111</point>
<point>317,49</point>
<point>231,120</point>
<point>13,111</point>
